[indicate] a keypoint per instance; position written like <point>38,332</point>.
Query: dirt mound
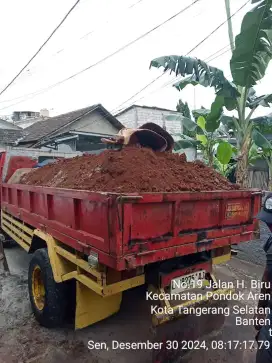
<point>129,170</point>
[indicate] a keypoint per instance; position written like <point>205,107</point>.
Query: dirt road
<point>22,340</point>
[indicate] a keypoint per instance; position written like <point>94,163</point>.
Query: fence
<point>259,175</point>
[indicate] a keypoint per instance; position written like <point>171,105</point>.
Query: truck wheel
<point>48,298</point>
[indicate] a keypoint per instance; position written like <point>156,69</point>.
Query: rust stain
<point>234,210</point>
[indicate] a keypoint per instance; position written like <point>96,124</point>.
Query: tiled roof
<point>51,125</point>
<point>10,136</point>
<point>8,125</point>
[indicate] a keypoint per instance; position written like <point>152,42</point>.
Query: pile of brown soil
<point>129,170</point>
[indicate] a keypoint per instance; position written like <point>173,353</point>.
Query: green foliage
<point>254,155</point>
<point>250,58</point>
<point>253,46</point>
<point>261,141</point>
<point>184,109</point>
<point>183,142</point>
<point>253,101</point>
<point>206,141</point>
<point>224,169</point>
<point>224,152</point>
<point>200,112</point>
<point>263,124</point>
<point>197,72</point>
<point>213,118</point>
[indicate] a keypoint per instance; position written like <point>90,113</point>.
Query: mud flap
<point>91,307</point>
<point>183,325</point>
<point>185,328</point>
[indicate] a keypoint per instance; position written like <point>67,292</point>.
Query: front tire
<point>48,299</point>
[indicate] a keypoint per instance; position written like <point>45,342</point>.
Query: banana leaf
<point>261,141</point>
<point>253,46</point>
<point>224,152</point>
<point>264,101</point>
<point>196,72</point>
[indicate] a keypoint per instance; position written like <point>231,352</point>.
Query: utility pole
<point>230,29</point>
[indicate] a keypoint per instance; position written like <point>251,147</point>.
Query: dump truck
<point>107,243</point>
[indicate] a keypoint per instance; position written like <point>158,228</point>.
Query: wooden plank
<point>18,224</point>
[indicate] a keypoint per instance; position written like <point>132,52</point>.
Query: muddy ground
<point>22,340</point>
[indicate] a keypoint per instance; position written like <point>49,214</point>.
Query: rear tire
<point>48,299</point>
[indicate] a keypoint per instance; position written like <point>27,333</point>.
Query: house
<point>25,119</point>
<point>7,125</point>
<point>135,116</point>
<point>10,134</point>
<point>22,115</point>
<point>73,140</point>
<point>73,131</point>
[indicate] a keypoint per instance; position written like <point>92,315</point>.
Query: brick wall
<point>129,118</point>
<point>137,116</point>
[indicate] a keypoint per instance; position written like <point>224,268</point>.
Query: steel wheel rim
<point>38,289</point>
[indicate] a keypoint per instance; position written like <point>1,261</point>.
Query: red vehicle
<point>110,242</point>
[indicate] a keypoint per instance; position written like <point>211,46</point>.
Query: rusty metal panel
<point>132,230</point>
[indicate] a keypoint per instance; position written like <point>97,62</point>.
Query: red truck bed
<point>131,230</point>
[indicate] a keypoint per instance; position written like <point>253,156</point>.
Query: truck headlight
<point>268,204</point>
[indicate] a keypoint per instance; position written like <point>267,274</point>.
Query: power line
<point>218,51</point>
<point>60,50</point>
<point>164,85</point>
<point>141,90</point>
<point>168,83</point>
<point>219,26</point>
<point>92,31</point>
<point>220,55</point>
<point>194,48</point>
<point>112,54</point>
<point>41,47</point>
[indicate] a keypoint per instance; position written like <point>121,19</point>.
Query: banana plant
<point>266,146</point>
<point>183,142</point>
<point>224,169</point>
<point>210,143</point>
<point>224,153</point>
<point>230,167</point>
<point>250,59</point>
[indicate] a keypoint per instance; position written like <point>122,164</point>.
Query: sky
<point>96,29</point>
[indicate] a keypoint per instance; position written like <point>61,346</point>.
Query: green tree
<point>184,109</point>
<point>249,61</point>
<point>210,143</point>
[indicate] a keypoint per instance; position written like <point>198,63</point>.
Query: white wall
<point>137,116</point>
<point>94,122</point>
<point>129,118</point>
<point>190,154</point>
